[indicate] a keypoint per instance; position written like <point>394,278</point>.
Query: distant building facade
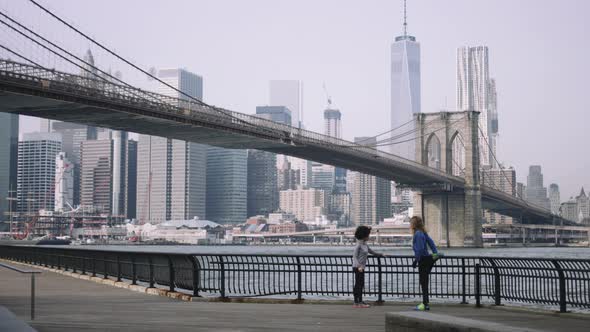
<point>227,185</point>
<point>171,174</point>
<point>554,198</point>
<point>305,204</point>
<point>371,196</point>
<point>536,193</point>
<point>263,194</point>
<point>64,183</point>
<point>9,125</point>
<point>36,171</point>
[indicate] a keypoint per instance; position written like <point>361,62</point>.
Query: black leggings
<point>359,284</point>
<point>424,266</point>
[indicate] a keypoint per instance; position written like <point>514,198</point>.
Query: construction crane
<point>328,97</point>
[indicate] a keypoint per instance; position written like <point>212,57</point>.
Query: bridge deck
<point>68,304</point>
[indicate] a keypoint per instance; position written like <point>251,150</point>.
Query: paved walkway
<point>69,304</point>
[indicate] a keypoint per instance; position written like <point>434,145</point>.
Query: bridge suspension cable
<point>387,143</point>
<point>86,66</point>
<point>92,40</point>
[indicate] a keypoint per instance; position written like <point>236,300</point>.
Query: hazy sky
<point>539,55</point>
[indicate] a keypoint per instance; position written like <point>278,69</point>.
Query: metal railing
<point>553,282</point>
<point>32,273</point>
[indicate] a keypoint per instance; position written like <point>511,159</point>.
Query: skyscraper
<point>131,179</point>
<point>554,198</point>
<point>72,135</point>
<point>288,93</point>
<point>332,123</point>
<point>583,204</point>
<point>96,175</point>
<point>119,192</point>
<point>263,194</point>
<point>36,171</point>
<point>280,114</point>
<point>535,192</point>
<point>371,196</point>
<point>227,173</point>
<point>333,128</point>
<point>503,179</point>
<point>477,92</point>
<point>8,162</point>
<point>45,125</point>
<point>64,183</point>
<point>323,177</point>
<point>171,174</point>
<point>405,91</point>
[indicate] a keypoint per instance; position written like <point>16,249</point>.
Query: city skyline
<point>521,78</point>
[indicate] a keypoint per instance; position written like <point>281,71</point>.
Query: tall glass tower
<point>405,92</point>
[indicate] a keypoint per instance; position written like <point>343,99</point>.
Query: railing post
<point>171,273</point>
<point>133,270</point>
<point>497,285</point>
<point>58,261</point>
<point>83,265</point>
<point>118,267</point>
<point>562,288</point>
<point>379,281</point>
<point>221,277</point>
<point>463,281</point>
<point>477,285</point>
<point>104,263</point>
<point>196,276</point>
<point>93,265</point>
<point>299,280</point>
<point>32,296</point>
<point>152,278</point>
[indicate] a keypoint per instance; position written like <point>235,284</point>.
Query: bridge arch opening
<point>457,154</point>
<point>433,151</point>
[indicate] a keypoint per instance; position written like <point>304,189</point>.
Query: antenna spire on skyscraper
<point>405,21</point>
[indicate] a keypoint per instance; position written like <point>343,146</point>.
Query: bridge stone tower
<point>449,141</point>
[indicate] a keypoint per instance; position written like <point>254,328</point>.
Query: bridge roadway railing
<point>96,89</point>
<point>561,283</point>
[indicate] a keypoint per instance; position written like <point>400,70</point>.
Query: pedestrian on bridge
<point>359,263</point>
<point>422,258</point>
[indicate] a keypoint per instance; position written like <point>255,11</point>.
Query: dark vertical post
<point>562,289</point>
<point>119,267</point>
<point>477,285</point>
<point>171,273</point>
<point>152,279</point>
<point>104,263</point>
<point>379,281</point>
<point>93,265</point>
<point>32,296</point>
<point>299,280</point>
<point>497,285</point>
<point>83,264</point>
<point>463,281</point>
<point>221,277</point>
<point>196,276</point>
<point>133,270</point>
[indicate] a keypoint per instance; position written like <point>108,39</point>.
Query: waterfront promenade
<point>70,304</point>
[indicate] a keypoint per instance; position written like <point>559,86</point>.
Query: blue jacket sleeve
<point>431,244</point>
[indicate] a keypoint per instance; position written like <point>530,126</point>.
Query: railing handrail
<point>13,268</point>
<point>32,273</point>
<point>310,255</point>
